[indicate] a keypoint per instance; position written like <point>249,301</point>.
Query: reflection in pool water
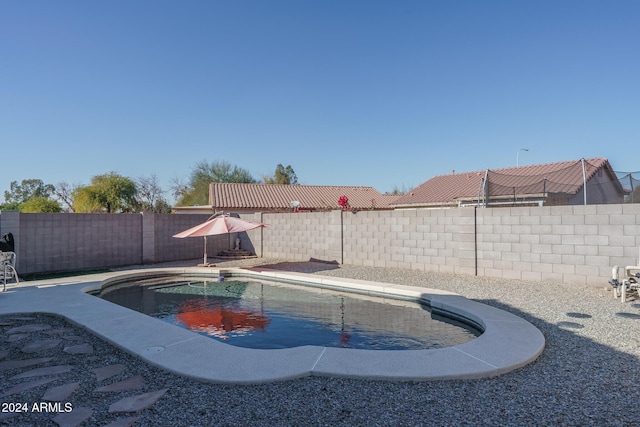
<point>275,315</point>
<point>215,319</point>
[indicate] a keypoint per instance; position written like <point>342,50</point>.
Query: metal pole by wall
<point>341,237</point>
<point>261,235</point>
<point>584,181</point>
<point>486,188</point>
<point>475,238</point>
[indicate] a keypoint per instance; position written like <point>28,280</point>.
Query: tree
<point>282,175</point>
<point>161,206</point>
<point>205,173</point>
<point>398,191</point>
<point>149,195</point>
<point>220,172</point>
<point>28,188</point>
<point>13,206</point>
<point>64,192</point>
<point>109,193</point>
<point>84,201</point>
<point>178,187</point>
<point>40,205</point>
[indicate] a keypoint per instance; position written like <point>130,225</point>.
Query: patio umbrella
<point>223,224</point>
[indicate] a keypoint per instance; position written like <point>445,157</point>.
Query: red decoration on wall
<point>343,201</point>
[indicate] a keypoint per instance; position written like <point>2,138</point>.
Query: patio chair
<point>630,269</point>
<point>7,243</point>
<point>8,268</point>
<point>630,281</point>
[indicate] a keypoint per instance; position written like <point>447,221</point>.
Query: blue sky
<point>375,93</point>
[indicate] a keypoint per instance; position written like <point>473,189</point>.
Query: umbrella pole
<point>205,250</point>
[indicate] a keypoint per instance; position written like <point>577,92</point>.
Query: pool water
<point>266,315</point>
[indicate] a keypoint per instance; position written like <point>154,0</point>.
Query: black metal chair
<point>8,268</point>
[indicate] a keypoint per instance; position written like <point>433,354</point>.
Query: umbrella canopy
<point>223,224</point>
<point>220,225</point>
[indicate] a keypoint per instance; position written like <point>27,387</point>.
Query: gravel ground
<point>587,375</point>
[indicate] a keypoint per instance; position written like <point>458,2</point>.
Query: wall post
<point>148,237</point>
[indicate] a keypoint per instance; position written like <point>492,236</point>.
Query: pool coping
<point>507,343</point>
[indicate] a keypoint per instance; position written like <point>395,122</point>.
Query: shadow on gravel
<point>575,381</point>
<point>311,266</point>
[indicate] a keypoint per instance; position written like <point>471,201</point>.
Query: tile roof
<point>561,177</point>
<point>225,196</point>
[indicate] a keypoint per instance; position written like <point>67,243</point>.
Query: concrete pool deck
<point>507,343</point>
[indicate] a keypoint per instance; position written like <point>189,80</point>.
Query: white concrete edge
<point>508,342</point>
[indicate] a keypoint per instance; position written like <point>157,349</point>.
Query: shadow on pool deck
<point>311,266</point>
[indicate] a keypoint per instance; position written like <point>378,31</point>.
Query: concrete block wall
<point>48,243</point>
<point>252,240</point>
<point>64,242</point>
<point>71,242</point>
<point>300,236</point>
<point>562,244</point>
<point>439,240</point>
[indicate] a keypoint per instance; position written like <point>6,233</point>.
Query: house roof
<point>228,196</point>
<point>561,177</point>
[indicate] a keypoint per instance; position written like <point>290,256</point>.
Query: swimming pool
<point>508,342</point>
<point>274,315</point>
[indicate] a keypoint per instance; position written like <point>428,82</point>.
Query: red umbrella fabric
<point>223,224</point>
<point>220,225</point>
